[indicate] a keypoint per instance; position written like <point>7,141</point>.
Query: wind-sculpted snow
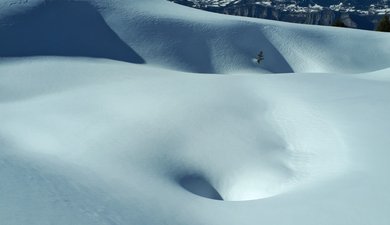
<point>92,139</point>
<point>176,37</point>
<point>111,138</point>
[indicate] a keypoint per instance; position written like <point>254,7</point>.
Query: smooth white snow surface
<point>163,111</point>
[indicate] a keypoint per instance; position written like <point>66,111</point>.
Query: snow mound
<point>271,163</point>
<point>106,138</point>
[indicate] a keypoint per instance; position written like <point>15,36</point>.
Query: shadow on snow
<point>63,28</point>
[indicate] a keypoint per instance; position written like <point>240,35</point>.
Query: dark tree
<point>384,24</point>
<point>339,23</point>
<point>260,57</point>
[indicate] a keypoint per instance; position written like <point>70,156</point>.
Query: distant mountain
<point>354,13</point>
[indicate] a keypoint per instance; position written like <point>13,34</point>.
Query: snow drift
<point>111,128</point>
<point>197,41</point>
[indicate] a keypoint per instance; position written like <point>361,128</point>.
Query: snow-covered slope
<point>196,41</point>
<point>115,130</point>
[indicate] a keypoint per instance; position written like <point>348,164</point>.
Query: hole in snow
<point>199,186</point>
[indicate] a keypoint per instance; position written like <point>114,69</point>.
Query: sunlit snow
<point>147,112</point>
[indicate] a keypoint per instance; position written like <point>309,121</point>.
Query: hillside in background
<point>353,13</point>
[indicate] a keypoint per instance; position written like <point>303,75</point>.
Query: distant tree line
<point>383,25</point>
